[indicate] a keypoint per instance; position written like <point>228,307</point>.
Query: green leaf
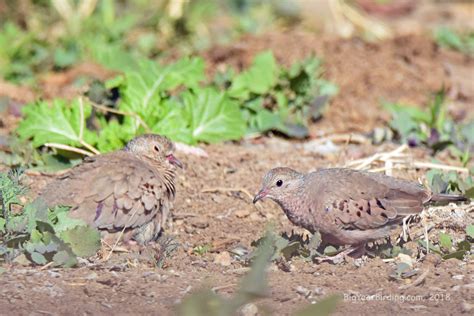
<point>445,241</point>
<point>204,303</point>
<point>38,258</point>
<point>324,307</point>
<point>84,240</point>
<point>254,284</point>
<point>113,135</point>
<point>259,78</point>
<point>113,56</point>
<point>470,230</point>
<point>57,123</point>
<point>144,86</point>
<point>405,118</point>
<point>65,57</point>
<point>65,258</point>
<point>64,222</point>
<point>175,122</point>
<point>213,116</point>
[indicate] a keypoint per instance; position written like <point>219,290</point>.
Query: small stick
<point>430,165</point>
<point>70,148</point>
<point>417,282</point>
<point>210,190</point>
<point>81,130</point>
<point>425,227</point>
<point>120,236</point>
<point>217,288</point>
<point>243,190</point>
<point>134,115</point>
<point>46,266</point>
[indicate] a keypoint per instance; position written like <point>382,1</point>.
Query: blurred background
<point>40,36</point>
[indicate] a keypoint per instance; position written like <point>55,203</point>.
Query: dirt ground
<point>207,212</point>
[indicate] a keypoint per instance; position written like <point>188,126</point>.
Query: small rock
<point>458,277</point>
<point>249,310</point>
<point>322,148</point>
<point>255,217</point>
<point>189,230</point>
<point>223,258</point>
<point>466,307</point>
<point>303,291</point>
<point>200,223</point>
<point>432,258</point>
<point>405,259</point>
<point>91,276</point>
<point>242,213</point>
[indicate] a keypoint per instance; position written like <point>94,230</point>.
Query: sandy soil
<point>406,69</point>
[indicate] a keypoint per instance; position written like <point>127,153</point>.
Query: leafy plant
<point>276,98</point>
<point>285,247</point>
<point>171,100</point>
<point>447,248</point>
<point>463,42</point>
<point>451,182</point>
<point>432,127</point>
<point>115,34</point>
<point>253,286</point>
<point>202,249</point>
<point>22,54</point>
<point>43,235</point>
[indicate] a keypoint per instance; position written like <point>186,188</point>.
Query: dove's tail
<point>439,197</point>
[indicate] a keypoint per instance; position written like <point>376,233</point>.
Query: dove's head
<point>279,184</point>
<point>155,147</point>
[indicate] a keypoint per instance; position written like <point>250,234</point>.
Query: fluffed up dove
<point>131,189</point>
<point>347,207</point>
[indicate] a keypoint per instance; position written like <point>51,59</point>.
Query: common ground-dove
<point>131,189</point>
<point>348,207</point>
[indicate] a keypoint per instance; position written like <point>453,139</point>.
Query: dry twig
<point>417,282</point>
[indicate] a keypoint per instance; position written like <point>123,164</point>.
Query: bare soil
<point>407,68</point>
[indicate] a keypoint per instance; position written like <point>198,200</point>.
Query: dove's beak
<point>174,161</point>
<point>260,195</point>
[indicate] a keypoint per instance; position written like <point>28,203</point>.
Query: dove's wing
<point>356,200</point>
<point>113,192</point>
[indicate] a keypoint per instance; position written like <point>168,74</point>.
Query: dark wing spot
<point>341,205</point>
<point>359,214</point>
<point>379,204</point>
<point>369,211</point>
<point>98,210</point>
<point>361,207</point>
<point>115,209</point>
<point>384,215</point>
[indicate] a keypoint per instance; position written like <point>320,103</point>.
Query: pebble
<point>242,213</point>
<point>249,310</point>
<point>223,258</point>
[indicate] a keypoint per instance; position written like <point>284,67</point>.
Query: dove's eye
<point>156,149</point>
<point>279,183</point>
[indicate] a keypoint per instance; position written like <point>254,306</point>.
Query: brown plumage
<point>132,188</point>
<point>348,207</point>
